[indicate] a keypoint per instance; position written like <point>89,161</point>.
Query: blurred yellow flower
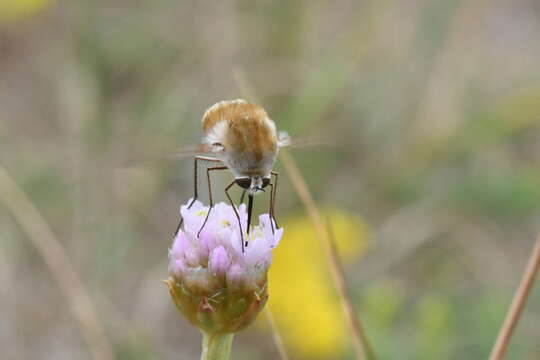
<point>12,10</point>
<point>303,298</point>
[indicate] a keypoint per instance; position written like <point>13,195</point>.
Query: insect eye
<point>266,182</point>
<point>244,183</point>
<point>217,147</point>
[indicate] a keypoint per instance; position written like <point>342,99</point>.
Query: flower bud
<point>219,261</point>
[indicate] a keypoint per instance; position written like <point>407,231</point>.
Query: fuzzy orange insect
<point>244,140</point>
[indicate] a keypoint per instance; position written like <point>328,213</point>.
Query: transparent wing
<point>305,141</point>
<point>190,151</point>
<point>137,160</point>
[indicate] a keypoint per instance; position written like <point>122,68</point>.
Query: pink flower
<point>219,245</point>
<point>210,271</point>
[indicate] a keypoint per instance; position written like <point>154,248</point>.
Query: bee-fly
<point>244,140</point>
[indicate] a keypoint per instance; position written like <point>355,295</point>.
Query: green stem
<point>216,347</point>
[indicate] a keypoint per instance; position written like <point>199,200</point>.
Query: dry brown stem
<point>278,341</point>
<point>361,344</point>
<point>59,264</point>
<point>518,304</point>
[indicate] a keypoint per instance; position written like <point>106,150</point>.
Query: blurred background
<point>433,191</point>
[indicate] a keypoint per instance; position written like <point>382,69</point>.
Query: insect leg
<point>235,212</point>
<point>273,196</point>
<point>271,210</point>
<point>195,187</point>
<point>242,196</point>
<point>209,194</point>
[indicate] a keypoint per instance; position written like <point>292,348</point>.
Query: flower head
<point>216,284</point>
